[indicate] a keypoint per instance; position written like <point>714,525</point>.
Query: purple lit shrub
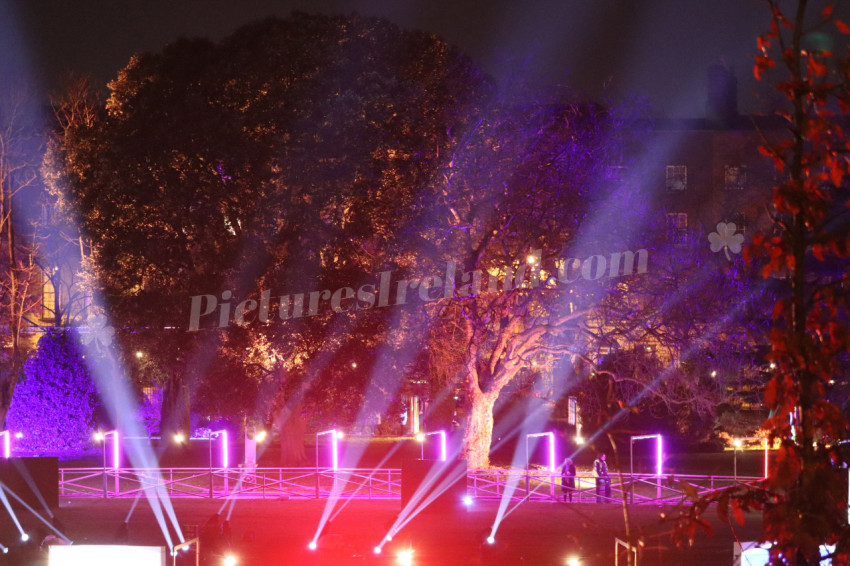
<point>54,403</point>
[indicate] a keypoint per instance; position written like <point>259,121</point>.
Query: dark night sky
<point>654,48</point>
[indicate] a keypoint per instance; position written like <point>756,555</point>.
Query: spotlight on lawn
<point>491,540</point>
<point>312,545</point>
<point>405,557</point>
<point>230,560</point>
<point>99,436</point>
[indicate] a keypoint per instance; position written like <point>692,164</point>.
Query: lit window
<point>48,298</point>
<point>735,177</point>
<point>677,220</point>
<point>677,177</point>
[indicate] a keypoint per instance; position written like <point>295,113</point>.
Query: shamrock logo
<point>99,334</point>
<point>726,239</point>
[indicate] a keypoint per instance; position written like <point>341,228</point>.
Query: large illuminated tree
<point>287,157</point>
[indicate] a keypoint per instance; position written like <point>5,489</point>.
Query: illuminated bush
<point>54,403</point>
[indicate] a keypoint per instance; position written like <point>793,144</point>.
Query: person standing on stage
<point>603,480</point>
<point>568,479</point>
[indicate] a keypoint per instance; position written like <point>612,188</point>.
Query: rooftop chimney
<point>721,108</point>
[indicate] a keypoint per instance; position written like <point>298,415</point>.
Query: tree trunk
<point>478,432</point>
<point>291,428</point>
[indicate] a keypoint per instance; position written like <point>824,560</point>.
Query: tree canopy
<point>256,206</point>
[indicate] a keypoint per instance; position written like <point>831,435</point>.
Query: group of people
<point>600,474</point>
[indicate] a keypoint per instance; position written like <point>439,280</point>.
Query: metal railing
<point>380,483</point>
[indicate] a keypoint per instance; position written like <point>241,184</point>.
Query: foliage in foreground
<point>804,498</point>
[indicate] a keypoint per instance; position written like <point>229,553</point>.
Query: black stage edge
<point>26,476</point>
<point>448,477</point>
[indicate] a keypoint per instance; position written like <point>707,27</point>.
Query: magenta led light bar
<point>7,443</point>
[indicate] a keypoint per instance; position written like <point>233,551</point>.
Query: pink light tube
<point>659,457</point>
<point>659,450</point>
<point>116,452</point>
<point>225,456</point>
<point>552,464</point>
<point>443,451</point>
<point>7,443</point>
<point>334,447</point>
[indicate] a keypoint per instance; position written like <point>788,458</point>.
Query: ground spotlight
<point>491,540</point>
<point>467,500</point>
<point>179,438</point>
<point>405,557</point>
<point>312,545</point>
<point>420,437</point>
<point>19,435</point>
<point>377,550</point>
<point>230,560</point>
<point>25,537</point>
<point>573,561</point>
<point>260,436</point>
<point>99,435</point>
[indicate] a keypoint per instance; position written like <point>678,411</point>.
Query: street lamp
<point>421,438</point>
